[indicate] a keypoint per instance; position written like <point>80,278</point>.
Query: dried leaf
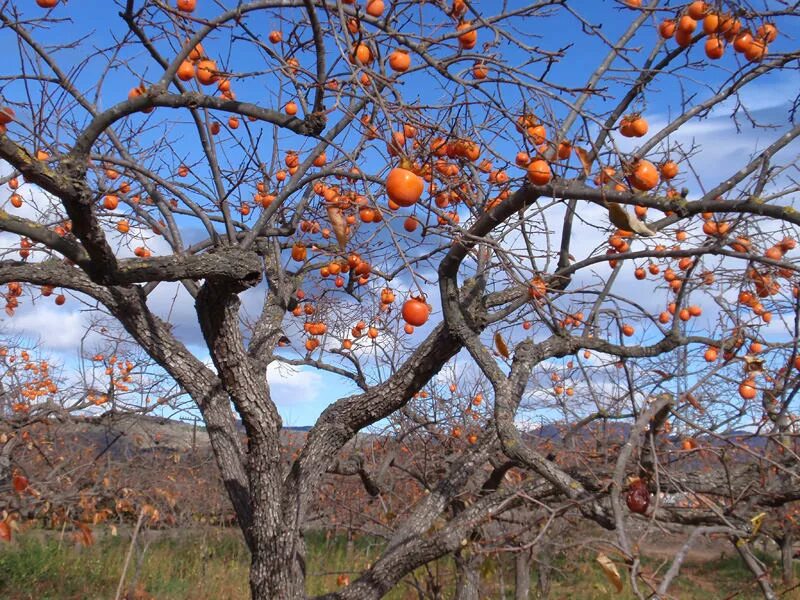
<point>618,216</point>
<point>638,226</point>
<point>688,397</point>
<point>610,569</point>
<point>583,156</point>
<point>5,531</point>
<point>84,532</point>
<point>622,219</point>
<point>755,523</point>
<point>501,346</point>
<point>753,364</point>
<point>339,225</point>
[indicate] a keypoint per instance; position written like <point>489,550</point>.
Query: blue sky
<point>301,394</point>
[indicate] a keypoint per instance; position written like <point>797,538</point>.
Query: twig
<point>118,595</point>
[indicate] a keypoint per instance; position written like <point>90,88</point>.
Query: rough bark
<point>467,576</point>
<point>278,555</point>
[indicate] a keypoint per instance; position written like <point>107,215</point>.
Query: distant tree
<point>374,190</point>
<point>69,455</point>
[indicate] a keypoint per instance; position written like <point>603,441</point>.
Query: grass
<point>213,564</point>
<point>205,566</point>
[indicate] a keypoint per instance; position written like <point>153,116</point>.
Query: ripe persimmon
<point>697,10</point>
<point>206,72</point>
<point>669,170</point>
<point>375,8</point>
<point>715,48</point>
<point>633,126</point>
<point>197,53</point>
<point>767,32</point>
<point>756,51</point>
<point>539,172</point>
<point>683,37</point>
<point>747,389</point>
<point>399,60</point>
<point>480,70</point>
<point>468,39</point>
<point>404,187</point>
<point>416,311</point>
<point>667,28</point>
<point>7,115</point>
<point>361,53</point>
<point>687,24</point>
<point>110,202</point>
<point>711,23</point>
<point>643,176</point>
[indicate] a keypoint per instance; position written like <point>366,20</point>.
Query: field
<point>211,564</point>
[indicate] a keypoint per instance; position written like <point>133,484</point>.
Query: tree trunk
<point>786,544</point>
<point>543,570</point>
<point>522,574</point>
<point>277,569</point>
<point>468,578</point>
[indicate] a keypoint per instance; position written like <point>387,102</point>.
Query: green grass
<point>213,564</point>
<point>203,566</point>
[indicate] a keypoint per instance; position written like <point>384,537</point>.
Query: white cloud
<point>290,385</point>
<point>57,327</point>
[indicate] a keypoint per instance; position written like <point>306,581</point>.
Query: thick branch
<point>231,262</point>
<point>67,182</point>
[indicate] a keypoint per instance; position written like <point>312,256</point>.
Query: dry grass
<point>212,564</point>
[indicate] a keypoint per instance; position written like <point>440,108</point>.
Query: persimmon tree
<point>372,190</point>
<point>66,438</point>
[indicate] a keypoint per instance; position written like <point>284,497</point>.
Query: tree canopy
<point>582,214</point>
